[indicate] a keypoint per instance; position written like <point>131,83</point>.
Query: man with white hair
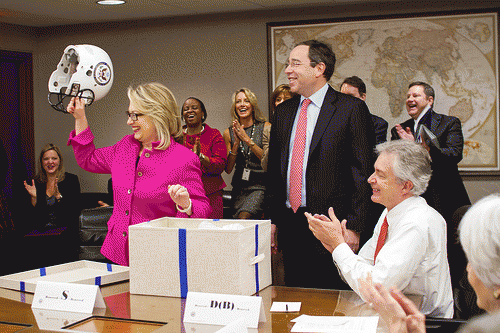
<point>408,246</point>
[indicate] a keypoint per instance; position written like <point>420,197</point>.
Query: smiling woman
<point>246,141</point>
<point>207,143</point>
<point>49,186</point>
<point>53,210</point>
<point>153,175</point>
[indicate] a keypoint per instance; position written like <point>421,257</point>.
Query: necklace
<point>190,139</point>
<point>201,131</point>
<point>245,149</point>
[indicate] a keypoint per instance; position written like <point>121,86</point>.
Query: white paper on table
<point>285,307</point>
<point>334,324</point>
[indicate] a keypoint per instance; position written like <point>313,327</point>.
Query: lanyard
<point>246,151</point>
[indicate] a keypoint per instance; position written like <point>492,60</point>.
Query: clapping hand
<point>328,231</point>
<point>404,134</point>
<point>239,132</point>
<point>397,311</point>
<point>197,147</point>
<point>30,188</point>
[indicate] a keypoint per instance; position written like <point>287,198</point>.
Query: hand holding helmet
<point>85,71</point>
<point>76,107</point>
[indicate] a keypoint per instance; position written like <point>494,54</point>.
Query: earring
<point>496,294</point>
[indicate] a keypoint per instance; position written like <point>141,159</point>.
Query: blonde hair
<point>41,175</point>
<point>157,102</point>
<point>257,114</point>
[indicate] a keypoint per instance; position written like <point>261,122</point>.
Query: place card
<point>220,309</point>
<point>285,307</point>
<point>69,297</point>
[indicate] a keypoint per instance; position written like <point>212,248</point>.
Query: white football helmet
<point>85,71</point>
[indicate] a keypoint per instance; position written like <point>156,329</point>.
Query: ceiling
<point>44,13</point>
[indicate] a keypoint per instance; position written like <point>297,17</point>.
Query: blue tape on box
<point>97,281</point>
<point>183,263</point>
<point>257,288</point>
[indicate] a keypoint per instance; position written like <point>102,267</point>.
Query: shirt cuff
<point>342,253</point>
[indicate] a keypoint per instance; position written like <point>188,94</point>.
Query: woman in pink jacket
<point>153,176</point>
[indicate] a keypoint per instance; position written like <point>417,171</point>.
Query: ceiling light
<point>111,2</point>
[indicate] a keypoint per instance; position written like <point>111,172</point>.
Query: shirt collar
<point>318,97</point>
<point>422,114</point>
<point>399,210</point>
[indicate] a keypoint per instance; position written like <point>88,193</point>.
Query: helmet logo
<point>102,73</point>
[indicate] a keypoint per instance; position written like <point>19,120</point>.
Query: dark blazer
<point>446,191</point>
<point>340,159</point>
<point>67,209</point>
<point>380,127</point>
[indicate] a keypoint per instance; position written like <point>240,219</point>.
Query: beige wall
<point>204,56</point>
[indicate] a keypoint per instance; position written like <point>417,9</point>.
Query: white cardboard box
<point>82,271</point>
<point>171,256</point>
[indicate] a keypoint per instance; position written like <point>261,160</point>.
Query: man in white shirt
<point>412,256</point>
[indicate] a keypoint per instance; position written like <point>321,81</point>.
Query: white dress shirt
<point>420,116</point>
<point>312,117</point>
<point>413,258</point>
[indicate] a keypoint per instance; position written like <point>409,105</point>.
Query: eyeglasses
<point>296,64</point>
<point>133,116</point>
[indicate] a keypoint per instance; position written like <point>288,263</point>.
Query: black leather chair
<point>93,230</point>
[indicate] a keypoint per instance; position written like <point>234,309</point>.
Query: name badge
<point>246,174</point>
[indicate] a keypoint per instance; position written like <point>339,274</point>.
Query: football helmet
<point>84,71</point>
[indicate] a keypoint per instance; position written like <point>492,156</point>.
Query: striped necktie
<point>298,158</point>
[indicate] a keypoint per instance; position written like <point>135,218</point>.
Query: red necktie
<point>381,238</point>
<point>299,145</point>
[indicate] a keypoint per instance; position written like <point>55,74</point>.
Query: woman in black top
<point>246,140</point>
<point>53,210</point>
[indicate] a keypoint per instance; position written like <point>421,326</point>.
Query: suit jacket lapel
<point>328,109</point>
<point>434,121</point>
<point>287,129</point>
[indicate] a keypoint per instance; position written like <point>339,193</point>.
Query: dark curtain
<point>16,132</point>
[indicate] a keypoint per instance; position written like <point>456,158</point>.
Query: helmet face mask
<point>84,71</point>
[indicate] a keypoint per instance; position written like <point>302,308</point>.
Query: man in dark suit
<point>335,163</point>
<point>446,191</point>
<point>354,86</point>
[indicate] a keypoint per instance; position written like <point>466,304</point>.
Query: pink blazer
<point>140,185</point>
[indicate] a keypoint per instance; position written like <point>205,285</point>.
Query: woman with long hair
<point>246,140</point>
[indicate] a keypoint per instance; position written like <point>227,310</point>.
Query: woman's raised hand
<point>30,188</point>
<point>76,107</point>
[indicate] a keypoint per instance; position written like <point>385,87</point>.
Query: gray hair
<point>411,163</point>
<point>479,233</point>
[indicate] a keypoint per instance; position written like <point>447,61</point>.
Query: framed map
<point>456,54</point>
